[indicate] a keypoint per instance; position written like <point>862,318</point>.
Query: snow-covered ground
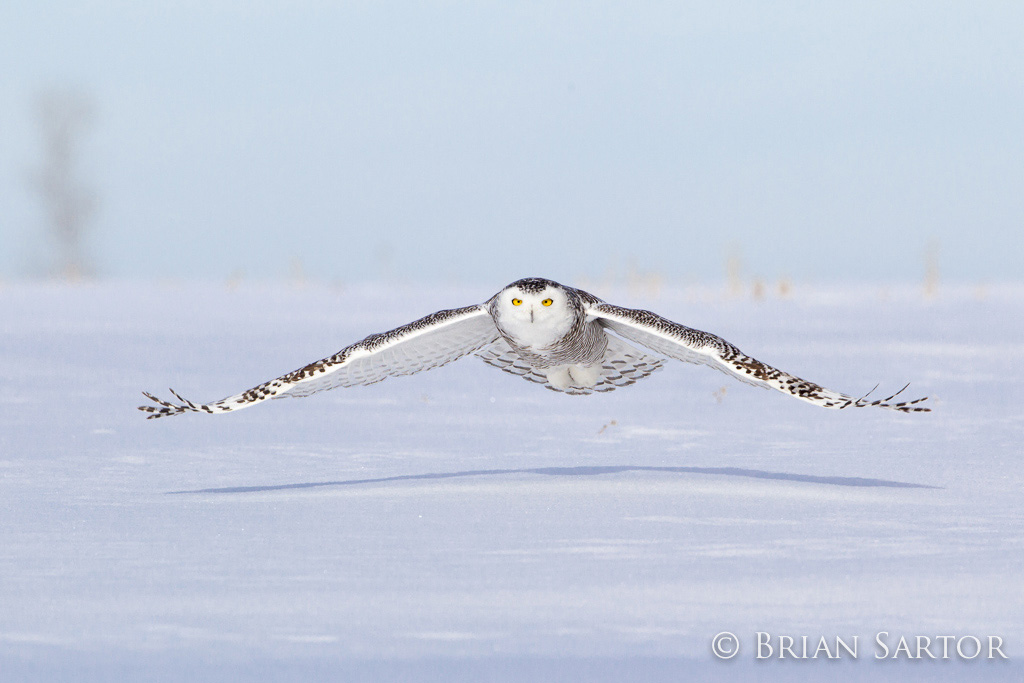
<point>463,524</point>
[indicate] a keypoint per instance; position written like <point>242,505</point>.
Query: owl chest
<point>579,345</point>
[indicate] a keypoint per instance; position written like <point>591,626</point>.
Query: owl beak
<point>531,314</point>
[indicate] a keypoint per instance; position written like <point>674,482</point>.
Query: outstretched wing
<point>693,346</point>
<point>427,343</point>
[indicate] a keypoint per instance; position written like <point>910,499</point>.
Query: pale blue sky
<point>481,142</point>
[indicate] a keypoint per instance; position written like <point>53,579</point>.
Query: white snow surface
<point>463,524</point>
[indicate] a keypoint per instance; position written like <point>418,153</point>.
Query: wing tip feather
<point>166,408</point>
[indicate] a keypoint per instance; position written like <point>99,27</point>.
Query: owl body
<point>546,325</point>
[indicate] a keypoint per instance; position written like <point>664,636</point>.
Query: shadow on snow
<point>583,471</point>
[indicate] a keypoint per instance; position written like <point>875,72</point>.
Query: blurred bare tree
<point>64,117</point>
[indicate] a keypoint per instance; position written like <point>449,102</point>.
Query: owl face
<point>534,313</point>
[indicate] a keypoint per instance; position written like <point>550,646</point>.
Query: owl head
<point>534,311</point>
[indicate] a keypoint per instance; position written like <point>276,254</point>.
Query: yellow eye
<point>547,302</point>
<point>516,302</point>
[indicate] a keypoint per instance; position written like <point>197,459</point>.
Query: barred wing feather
<point>693,346</point>
<point>427,343</point>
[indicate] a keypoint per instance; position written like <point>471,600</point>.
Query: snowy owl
<point>562,338</point>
